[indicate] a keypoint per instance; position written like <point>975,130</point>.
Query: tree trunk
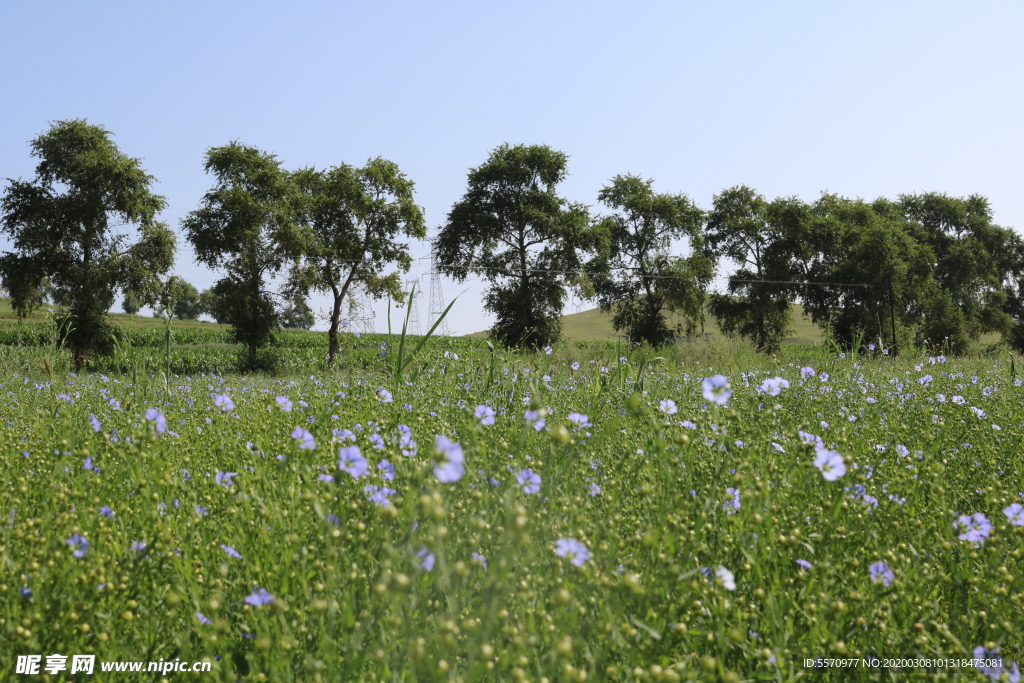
<point>252,353</point>
<point>332,334</point>
<point>79,359</point>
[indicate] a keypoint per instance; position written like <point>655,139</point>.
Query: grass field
<point>593,514</point>
<point>593,325</point>
<point>7,315</point>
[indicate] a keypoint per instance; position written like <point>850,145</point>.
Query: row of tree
<point>923,270</point>
<point>920,269</point>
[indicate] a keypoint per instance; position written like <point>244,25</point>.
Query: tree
<point>180,298</point>
<point>636,278</point>
<point>352,219</point>
<point>131,303</point>
<point>756,235</point>
<point>298,316</point>
<point>970,256</point>
<point>512,228</point>
<point>210,304</point>
<point>245,225</point>
<point>65,224</point>
<point>874,274</point>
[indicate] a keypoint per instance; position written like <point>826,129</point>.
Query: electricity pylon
<point>436,308</point>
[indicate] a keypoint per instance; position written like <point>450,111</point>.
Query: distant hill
<point>7,314</point>
<point>593,325</point>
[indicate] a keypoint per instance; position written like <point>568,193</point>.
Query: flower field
<point>583,514</point>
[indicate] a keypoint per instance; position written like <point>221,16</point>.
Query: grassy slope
<point>593,325</point>
<point>7,314</point>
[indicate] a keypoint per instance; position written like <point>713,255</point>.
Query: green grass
<point>354,597</point>
<point>8,315</point>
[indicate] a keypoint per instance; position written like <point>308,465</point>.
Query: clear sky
<point>864,99</point>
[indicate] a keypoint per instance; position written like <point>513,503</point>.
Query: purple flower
<point>986,657</point>
<point>1015,513</point>
<point>88,463</point>
<point>224,478</point>
<point>231,551</point>
<point>579,420</point>
<point>806,372</point>
<point>716,390</point>
<point>880,572</point>
<point>477,557</point>
<point>387,470</point>
<point>385,396</point>
<point>200,510</point>
<point>573,549</point>
<point>594,490</point>
<point>975,528</point>
<point>26,592</point>
<point>732,505</point>
<point>804,564</point>
<point>529,480</point>
<point>830,463</point>
<point>259,597</point>
<point>306,439</point>
<point>485,414</point>
<point>668,406</point>
<point>158,419</point>
<point>379,495</point>
<point>202,619</point>
<point>106,511</point>
<point>426,560</point>
<point>138,546</point>
<point>326,477</point>
<point>352,461</point>
<point>773,386</point>
<point>115,404</point>
<point>79,545</point>
<point>726,578</point>
<point>535,419</point>
<point>451,466</point>
<point>223,401</point>
<point>96,424</point>
<point>284,403</point>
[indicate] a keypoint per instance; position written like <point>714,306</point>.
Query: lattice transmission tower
<point>436,307</point>
<point>414,311</point>
<point>360,311</point>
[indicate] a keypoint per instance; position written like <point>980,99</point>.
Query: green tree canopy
<point>179,297</point>
<point>875,274</point>
<point>353,219</point>
<point>66,223</point>
<point>973,256</point>
<point>635,277</point>
<point>757,235</point>
<point>298,316</point>
<point>210,304</point>
<point>245,225</point>
<point>131,302</point>
<point>512,228</point>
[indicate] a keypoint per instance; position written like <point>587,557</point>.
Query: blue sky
<point>864,99</point>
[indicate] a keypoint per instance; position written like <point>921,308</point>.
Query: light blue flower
<point>716,390</point>
<point>577,553</point>
<point>529,480</point>
<point>881,573</point>
<point>450,467</point>
<point>352,462</point>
